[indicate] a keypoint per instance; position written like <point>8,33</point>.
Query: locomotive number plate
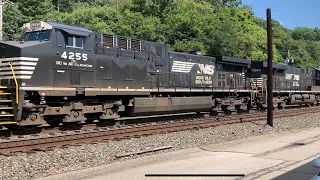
<point>74,56</point>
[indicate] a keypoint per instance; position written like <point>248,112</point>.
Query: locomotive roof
<point>77,30</point>
<point>47,25</point>
<point>277,65</point>
<point>193,56</point>
<point>232,59</point>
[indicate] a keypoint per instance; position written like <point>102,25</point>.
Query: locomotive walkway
<point>280,156</point>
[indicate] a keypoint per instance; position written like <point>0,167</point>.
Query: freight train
<point>69,74</point>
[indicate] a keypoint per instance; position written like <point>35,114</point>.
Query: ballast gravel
<point>39,164</point>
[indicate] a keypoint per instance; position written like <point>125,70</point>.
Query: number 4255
<point>74,56</point>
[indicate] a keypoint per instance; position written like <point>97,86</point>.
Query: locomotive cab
<point>50,51</point>
<point>52,60</point>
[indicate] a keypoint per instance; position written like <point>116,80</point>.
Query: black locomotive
<point>68,74</point>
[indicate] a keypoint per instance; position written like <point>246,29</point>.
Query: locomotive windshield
<point>37,36</point>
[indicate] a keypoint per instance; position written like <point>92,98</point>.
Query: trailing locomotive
<point>69,74</point>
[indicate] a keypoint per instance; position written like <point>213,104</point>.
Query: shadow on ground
<point>304,172</point>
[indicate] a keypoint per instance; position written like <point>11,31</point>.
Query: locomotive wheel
<point>70,124</point>
<point>90,121</point>
<point>281,106</point>
<point>240,111</point>
<point>214,113</point>
<point>28,128</point>
<point>228,112</point>
<point>11,127</point>
<point>262,109</point>
<point>54,123</point>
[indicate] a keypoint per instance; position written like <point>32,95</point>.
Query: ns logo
<point>206,69</point>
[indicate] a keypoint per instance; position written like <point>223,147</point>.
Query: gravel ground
<point>31,166</point>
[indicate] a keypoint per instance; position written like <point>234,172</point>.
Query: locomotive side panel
<point>203,72</point>
<point>75,59</point>
<point>232,73</point>
<point>195,73</point>
<point>292,79</point>
<point>186,71</point>
<point>128,64</point>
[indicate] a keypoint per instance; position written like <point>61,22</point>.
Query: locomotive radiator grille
<point>108,41</point>
<point>22,66</point>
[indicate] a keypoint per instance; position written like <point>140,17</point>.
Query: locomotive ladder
<point>257,89</point>
<point>8,100</point>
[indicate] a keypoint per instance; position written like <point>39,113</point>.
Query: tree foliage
<point>12,22</point>
<point>214,27</point>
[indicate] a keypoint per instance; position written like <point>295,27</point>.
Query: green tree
<point>220,3</point>
<point>35,10</point>
<point>151,7</point>
<point>187,22</point>
<point>13,19</point>
<point>303,33</point>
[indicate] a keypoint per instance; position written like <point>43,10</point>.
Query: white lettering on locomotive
<point>182,67</point>
<point>295,83</point>
<point>74,57</point>
<point>206,69</point>
<point>294,77</point>
<point>185,67</point>
<point>201,80</point>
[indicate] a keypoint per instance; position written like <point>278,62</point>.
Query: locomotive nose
<point>15,62</point>
<point>10,49</point>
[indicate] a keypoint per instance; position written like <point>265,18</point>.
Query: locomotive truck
<point>69,74</point>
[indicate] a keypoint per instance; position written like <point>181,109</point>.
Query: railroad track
<point>19,133</point>
<point>117,133</point>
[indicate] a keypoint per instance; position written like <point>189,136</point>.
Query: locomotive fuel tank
<point>147,106</point>
<point>302,99</point>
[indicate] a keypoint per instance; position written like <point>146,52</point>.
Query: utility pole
<point>2,2</point>
<point>58,5</point>
<point>0,20</point>
<point>270,69</point>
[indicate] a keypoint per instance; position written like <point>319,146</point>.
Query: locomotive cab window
<point>75,41</point>
<point>37,36</point>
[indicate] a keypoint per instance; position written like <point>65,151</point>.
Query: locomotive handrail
<point>16,82</point>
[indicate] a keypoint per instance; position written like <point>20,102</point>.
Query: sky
<point>290,13</point>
